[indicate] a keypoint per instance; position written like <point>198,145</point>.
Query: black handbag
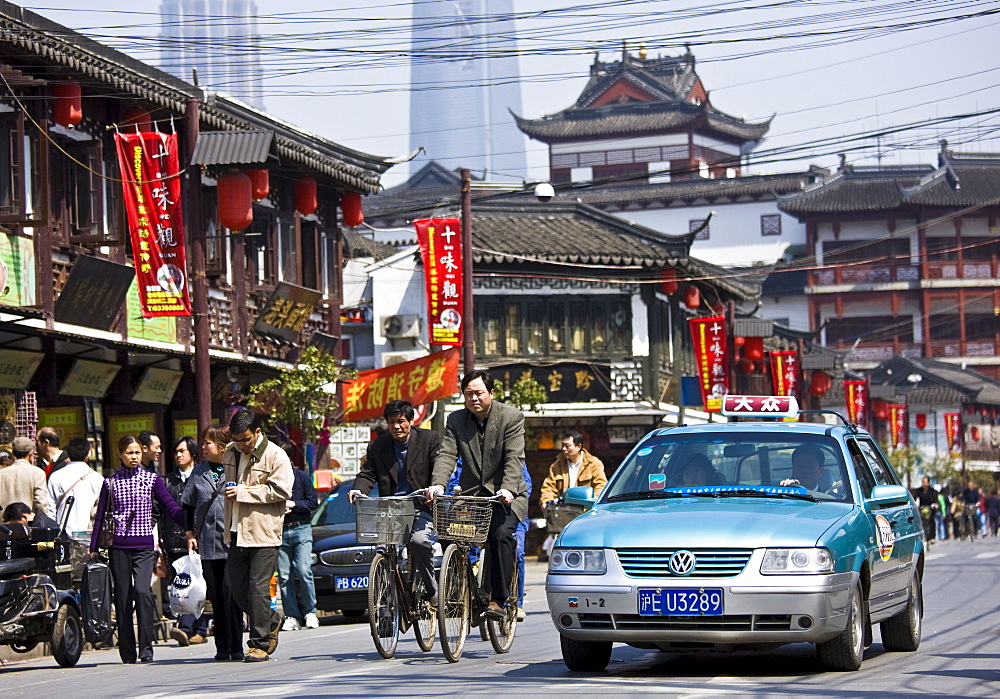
<point>95,602</point>
<point>106,537</point>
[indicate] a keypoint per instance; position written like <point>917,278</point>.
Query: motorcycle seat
<point>14,531</point>
<point>16,565</point>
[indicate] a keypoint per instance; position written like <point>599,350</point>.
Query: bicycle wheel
<point>501,631</point>
<point>453,603</point>
<point>383,606</point>
<point>425,616</point>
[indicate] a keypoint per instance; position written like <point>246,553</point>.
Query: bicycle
<point>395,602</point>
<point>464,521</point>
<point>970,521</point>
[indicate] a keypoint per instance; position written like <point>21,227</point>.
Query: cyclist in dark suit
<point>489,436</point>
<point>401,462</point>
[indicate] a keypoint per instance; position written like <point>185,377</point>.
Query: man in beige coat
<point>22,481</point>
<point>254,514</point>
<point>574,467</point>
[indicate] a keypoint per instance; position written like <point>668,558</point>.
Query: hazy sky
<point>832,72</point>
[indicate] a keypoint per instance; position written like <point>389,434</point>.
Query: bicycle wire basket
<point>559,514</point>
<point>383,520</point>
<point>465,519</point>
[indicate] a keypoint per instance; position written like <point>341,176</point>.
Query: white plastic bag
<point>188,589</point>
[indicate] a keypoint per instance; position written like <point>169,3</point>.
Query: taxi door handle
<point>893,524</point>
<point>910,518</point>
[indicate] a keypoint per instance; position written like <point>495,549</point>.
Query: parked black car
<point>340,563</point>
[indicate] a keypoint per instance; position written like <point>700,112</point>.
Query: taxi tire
<point>846,651</point>
<point>901,633</point>
<point>585,656</point>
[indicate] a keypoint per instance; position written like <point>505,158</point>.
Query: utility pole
<point>196,231</point>
<point>468,323</point>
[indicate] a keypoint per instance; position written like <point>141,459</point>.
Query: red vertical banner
<point>712,356</point>
<point>952,432</point>
<point>785,373</point>
<point>856,395</point>
<point>440,242</point>
<point>899,432</point>
<point>151,183</point>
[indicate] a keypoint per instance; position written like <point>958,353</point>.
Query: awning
<point>232,147</point>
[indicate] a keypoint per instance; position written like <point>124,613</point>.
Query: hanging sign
<point>899,437</point>
<point>856,395</point>
<point>419,381</point>
<point>150,168</point>
<point>441,251</point>
<point>785,372</point>
<point>952,432</point>
<point>712,357</point>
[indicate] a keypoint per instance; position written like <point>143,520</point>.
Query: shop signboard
<point>87,378</point>
<point>440,241</point>
<point>565,382</point>
<point>68,422</point>
<point>121,425</point>
<point>94,293</point>
<point>419,381</point>
<point>17,270</point>
<point>157,386</point>
<point>17,367</point>
<point>286,313</point>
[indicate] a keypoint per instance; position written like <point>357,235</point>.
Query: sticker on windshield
<point>645,451</point>
<point>886,539</point>
<point>657,481</point>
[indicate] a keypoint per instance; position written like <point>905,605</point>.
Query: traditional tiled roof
<point>974,387</point>
<point>639,117</point>
<point>960,180</point>
<point>30,36</point>
<point>668,78</point>
<point>360,245</point>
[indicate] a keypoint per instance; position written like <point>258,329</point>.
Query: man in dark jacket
<point>50,457</point>
<point>489,436</point>
<point>401,462</point>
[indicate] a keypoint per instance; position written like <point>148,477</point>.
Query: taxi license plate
<point>702,601</point>
<point>354,582</point>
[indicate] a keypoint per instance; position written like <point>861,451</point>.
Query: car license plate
<point>353,582</point>
<point>703,601</point>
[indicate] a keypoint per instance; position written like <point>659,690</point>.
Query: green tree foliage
<point>303,396</point>
<point>526,393</point>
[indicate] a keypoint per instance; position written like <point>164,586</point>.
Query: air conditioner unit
<point>393,358</point>
<point>394,327</point>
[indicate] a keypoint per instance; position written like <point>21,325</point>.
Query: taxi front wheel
<point>846,651</point>
<point>585,656</point>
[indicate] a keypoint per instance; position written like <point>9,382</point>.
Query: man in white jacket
<point>78,479</point>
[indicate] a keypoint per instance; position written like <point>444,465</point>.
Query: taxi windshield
<point>734,461</point>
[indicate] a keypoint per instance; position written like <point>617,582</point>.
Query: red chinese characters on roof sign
<point>152,188</point>
<point>712,356</point>
<point>440,242</point>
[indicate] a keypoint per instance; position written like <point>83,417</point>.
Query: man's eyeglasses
<point>246,441</point>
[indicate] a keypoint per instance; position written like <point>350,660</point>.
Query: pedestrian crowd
<point>957,511</point>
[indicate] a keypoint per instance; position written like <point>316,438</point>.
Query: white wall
<point>397,289</point>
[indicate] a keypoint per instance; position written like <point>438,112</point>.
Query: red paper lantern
<point>753,348</point>
<point>260,183</point>
<point>138,120</point>
<point>692,297</point>
<point>67,104</point>
<point>879,409</point>
<point>350,209</point>
<point>738,341</point>
<point>819,383</point>
<point>746,366</point>
<point>668,280</point>
<point>921,421</point>
<point>305,196</point>
<point>974,433</point>
<point>235,204</point>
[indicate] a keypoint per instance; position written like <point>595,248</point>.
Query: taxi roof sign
<point>760,406</point>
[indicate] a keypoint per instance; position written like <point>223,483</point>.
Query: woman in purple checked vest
<point>132,555</point>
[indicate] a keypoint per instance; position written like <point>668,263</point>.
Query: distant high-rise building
<point>465,82</point>
<point>219,39</point>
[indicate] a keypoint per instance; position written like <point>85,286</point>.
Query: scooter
<point>37,604</point>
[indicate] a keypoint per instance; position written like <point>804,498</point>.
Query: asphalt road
<point>959,657</point>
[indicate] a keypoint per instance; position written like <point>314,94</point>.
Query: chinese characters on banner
<point>440,242</point>
<point>952,430</point>
<point>152,189</point>
<point>856,395</point>
<point>899,433</point>
<point>785,373</point>
<point>712,356</point>
<point>420,381</point>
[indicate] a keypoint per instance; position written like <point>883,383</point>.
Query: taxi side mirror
<point>582,495</point>
<point>889,495</point>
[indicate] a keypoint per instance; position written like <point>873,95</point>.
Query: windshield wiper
<point>751,492</point>
<point>645,495</point>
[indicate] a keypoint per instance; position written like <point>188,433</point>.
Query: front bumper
<point>758,609</point>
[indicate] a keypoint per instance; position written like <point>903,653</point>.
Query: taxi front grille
<point>727,622</point>
<point>710,563</point>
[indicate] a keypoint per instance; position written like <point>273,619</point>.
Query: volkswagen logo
<point>682,563</point>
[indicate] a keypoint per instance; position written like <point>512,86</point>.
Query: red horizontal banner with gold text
<point>419,381</point>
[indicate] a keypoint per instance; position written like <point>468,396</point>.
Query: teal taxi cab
<point>742,535</point>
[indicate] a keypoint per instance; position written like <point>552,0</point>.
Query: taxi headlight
<point>588,561</point>
<point>814,561</point>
